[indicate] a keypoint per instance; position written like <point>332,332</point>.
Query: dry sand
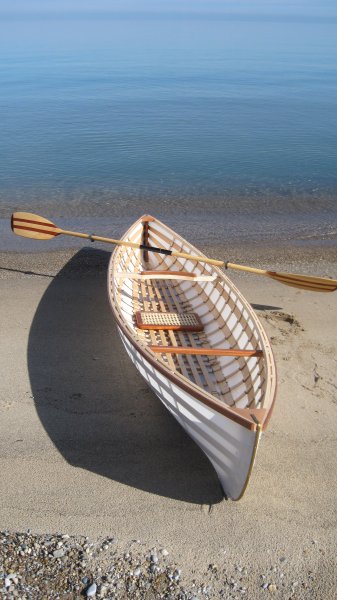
<point>87,449</point>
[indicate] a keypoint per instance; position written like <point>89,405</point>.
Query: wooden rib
<point>160,291</point>
<point>172,336</point>
<point>175,247</point>
<point>206,351</point>
<point>243,368</point>
<point>152,305</point>
<point>125,257</point>
<point>211,362</point>
<point>231,339</point>
<point>167,242</point>
<point>175,305</point>
<point>206,364</point>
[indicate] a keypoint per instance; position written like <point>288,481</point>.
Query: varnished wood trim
<point>170,273</point>
<point>147,218</point>
<point>41,223</point>
<point>36,230</point>
<point>145,239</point>
<point>206,351</point>
<point>258,434</point>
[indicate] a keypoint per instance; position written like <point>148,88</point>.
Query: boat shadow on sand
<point>92,402</point>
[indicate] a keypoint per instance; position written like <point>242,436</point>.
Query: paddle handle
<point>98,238</point>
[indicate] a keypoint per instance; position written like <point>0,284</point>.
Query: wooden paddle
<point>39,228</point>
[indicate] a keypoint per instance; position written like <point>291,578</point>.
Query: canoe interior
<point>228,320</point>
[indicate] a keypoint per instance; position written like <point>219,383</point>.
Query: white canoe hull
<point>230,447</point>
<point>223,404</point>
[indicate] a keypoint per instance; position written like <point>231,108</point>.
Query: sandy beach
<point>88,450</point>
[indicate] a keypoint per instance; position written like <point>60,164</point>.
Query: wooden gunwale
<point>234,414</point>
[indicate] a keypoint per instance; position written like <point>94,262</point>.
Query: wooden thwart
<point>179,275</point>
<point>205,351</point>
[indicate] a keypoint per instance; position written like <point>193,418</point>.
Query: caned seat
<point>169,320</point>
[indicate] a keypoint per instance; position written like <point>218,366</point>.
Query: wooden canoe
<point>198,344</point>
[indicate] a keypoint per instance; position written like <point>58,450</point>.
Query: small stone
<point>85,580</point>
<point>264,586</point>
<point>154,558</point>
<point>272,587</point>
<point>164,552</point>
<point>137,572</point>
<point>58,553</point>
<point>283,559</point>
<point>7,582</point>
<point>91,591</point>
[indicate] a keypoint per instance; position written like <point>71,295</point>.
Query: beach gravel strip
<point>55,566</point>
<point>61,566</point>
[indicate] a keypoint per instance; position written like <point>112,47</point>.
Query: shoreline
<point>87,449</point>
<point>319,260</point>
<point>255,218</point>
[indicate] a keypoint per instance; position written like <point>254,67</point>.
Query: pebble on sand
<point>91,591</point>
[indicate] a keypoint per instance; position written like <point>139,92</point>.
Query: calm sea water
<point>227,121</point>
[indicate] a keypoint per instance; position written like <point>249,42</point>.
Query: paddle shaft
<point>98,238</point>
<point>247,269</point>
<point>37,227</point>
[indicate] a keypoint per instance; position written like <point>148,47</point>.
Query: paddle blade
<point>305,282</point>
<point>302,282</point>
<point>33,226</point>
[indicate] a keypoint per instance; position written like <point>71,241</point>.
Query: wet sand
<point>88,450</point>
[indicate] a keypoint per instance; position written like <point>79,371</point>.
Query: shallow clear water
<point>212,118</point>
